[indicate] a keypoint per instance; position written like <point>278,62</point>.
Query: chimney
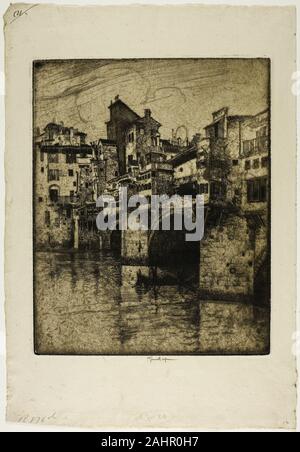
<point>147,113</point>
<point>117,97</point>
<point>197,140</point>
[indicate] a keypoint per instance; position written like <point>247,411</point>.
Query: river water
<point>85,305</point>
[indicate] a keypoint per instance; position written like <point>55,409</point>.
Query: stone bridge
<point>231,262</point>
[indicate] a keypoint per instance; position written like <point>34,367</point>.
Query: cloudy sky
<point>179,92</point>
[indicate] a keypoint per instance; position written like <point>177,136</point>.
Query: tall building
<point>105,164</point>
<point>62,174</point>
<point>121,118</point>
<point>143,155</point>
<point>238,159</point>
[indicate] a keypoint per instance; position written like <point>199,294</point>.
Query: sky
<point>181,92</point>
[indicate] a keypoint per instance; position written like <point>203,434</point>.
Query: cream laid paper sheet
<point>140,326</point>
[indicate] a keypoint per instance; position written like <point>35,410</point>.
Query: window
<point>203,189</point>
<point>248,147</point>
<point>53,194</point>
<point>71,158</point>
<point>53,174</point>
<point>116,173</point>
<point>218,190</point>
<point>201,164</point>
<point>40,199</point>
<point>216,130</point>
<point>247,165</point>
<point>262,132</point>
<point>52,157</point>
<point>263,190</point>
<point>68,212</point>
<point>47,218</point>
<point>256,163</point>
<point>71,193</point>
<point>257,190</point>
<point>42,156</point>
<point>235,162</point>
<point>74,184</point>
<point>71,172</point>
<point>42,169</point>
<point>264,162</point>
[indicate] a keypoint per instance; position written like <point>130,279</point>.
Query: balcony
<point>83,160</point>
<point>185,180</point>
<point>256,146</point>
<point>159,166</point>
<point>67,200</point>
<point>218,144</point>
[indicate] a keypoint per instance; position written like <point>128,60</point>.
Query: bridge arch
<point>170,252</point>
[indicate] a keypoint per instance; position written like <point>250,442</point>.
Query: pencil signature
<point>159,358</point>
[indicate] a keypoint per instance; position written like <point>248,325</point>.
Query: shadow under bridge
<point>173,257</point>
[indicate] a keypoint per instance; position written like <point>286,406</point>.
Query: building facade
<point>63,177</point>
<point>238,159</point>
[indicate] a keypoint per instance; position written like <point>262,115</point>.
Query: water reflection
<point>89,303</point>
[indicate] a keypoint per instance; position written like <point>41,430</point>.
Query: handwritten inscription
<point>18,13</point>
<point>27,419</point>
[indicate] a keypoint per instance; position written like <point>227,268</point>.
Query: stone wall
<point>58,233</point>
<point>135,247</point>
<point>261,242</point>
<point>89,239</point>
<point>227,259</point>
<point>105,240</point>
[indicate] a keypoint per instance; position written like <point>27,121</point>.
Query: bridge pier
<point>135,247</point>
<point>228,256</point>
<point>76,231</point>
<point>232,253</point>
<point>105,240</point>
